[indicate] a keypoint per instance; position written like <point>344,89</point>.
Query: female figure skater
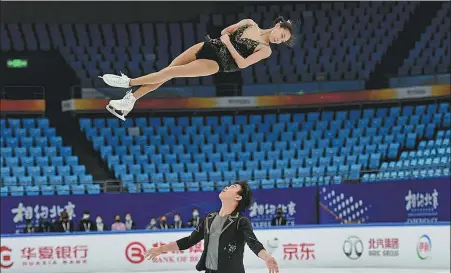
<point>241,45</point>
<point>225,234</point>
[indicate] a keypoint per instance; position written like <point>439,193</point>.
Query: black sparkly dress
<point>216,50</point>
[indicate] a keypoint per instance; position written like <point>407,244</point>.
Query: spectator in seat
<point>129,223</point>
<point>178,223</point>
<point>29,228</point>
<point>194,222</point>
<point>100,226</point>
<point>279,220</point>
<point>118,225</point>
<point>152,224</point>
<point>44,226</point>
<point>163,223</point>
<point>64,224</point>
<point>86,224</point>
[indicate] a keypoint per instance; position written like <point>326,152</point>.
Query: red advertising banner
<point>22,105</point>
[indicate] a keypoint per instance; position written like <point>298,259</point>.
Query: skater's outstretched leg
<point>185,65</point>
<point>186,57</point>
<point>196,68</point>
<point>126,104</point>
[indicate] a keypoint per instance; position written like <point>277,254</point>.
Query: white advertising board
<point>363,246</point>
<point>413,92</point>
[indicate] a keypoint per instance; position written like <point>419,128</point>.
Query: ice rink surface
<point>318,270</point>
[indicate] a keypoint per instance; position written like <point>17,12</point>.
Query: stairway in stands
<point>401,46</point>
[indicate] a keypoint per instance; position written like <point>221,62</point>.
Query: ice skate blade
<point>113,111</point>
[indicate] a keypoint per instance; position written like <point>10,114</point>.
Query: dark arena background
<point>344,138</point>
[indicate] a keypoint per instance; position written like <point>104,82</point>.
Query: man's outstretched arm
<point>250,238</point>
<point>255,245</point>
<point>182,244</point>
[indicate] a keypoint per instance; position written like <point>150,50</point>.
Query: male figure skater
<point>225,234</point>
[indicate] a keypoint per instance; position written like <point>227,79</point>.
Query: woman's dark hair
<point>64,215</point>
<point>290,26</point>
<point>246,195</point>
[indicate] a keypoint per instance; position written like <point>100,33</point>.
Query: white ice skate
<point>121,81</point>
<point>124,105</point>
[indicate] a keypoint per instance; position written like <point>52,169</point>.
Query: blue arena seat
<point>16,190</point>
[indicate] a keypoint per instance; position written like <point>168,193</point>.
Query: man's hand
<point>153,253</point>
<point>271,263</point>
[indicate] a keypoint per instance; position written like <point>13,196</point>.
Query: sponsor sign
<point>383,247</point>
<point>424,247</point>
<point>413,92</point>
<point>413,202</point>
<point>347,246</point>
<point>15,210</point>
<point>5,258</point>
<point>237,102</point>
<point>353,247</point>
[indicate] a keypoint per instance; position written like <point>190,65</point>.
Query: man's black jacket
<point>236,232</point>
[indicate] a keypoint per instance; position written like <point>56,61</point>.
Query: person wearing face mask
<point>86,224</point>
<point>129,223</point>
<point>44,226</point>
<point>152,224</point>
<point>194,222</point>
<point>118,225</point>
<point>29,228</point>
<point>279,220</point>
<point>163,223</point>
<point>100,226</point>
<point>64,225</point>
<point>178,224</point>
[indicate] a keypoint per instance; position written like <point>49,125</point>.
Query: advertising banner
<point>346,246</point>
<point>365,246</point>
<point>267,101</point>
<point>419,201</point>
<point>299,206</point>
<point>413,92</point>
<point>22,105</point>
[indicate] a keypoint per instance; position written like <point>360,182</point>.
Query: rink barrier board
<point>243,102</point>
<point>381,246</point>
<point>387,94</point>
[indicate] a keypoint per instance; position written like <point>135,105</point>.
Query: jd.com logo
<point>424,247</point>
